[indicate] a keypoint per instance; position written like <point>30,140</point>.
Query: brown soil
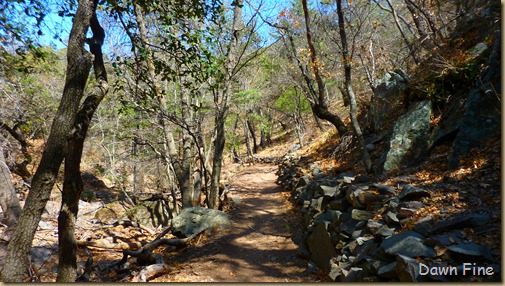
<point>261,245</point>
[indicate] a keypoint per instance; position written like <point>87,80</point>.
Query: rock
<point>327,190</point>
<point>46,226</point>
<point>370,199</point>
<point>346,178</point>
<point>388,271</point>
<point>348,227</point>
<point>352,196</point>
<point>318,204</point>
<point>463,221</point>
<point>384,190</point>
<point>476,126</point>
<point>385,98</point>
<point>321,246</point>
<point>106,216</point>
<point>197,219</point>
<point>410,193</point>
<point>336,269</point>
<point>445,239</point>
<point>303,252</point>
<point>448,126</point>
<point>407,269</point>
<point>385,231</point>
<point>339,204</point>
<point>364,248</point>
<point>339,217</point>
<point>409,140</point>
<point>409,244</point>
<point>374,225</point>
<point>423,226</point>
<point>371,265</point>
<point>470,251</point>
<point>391,218</point>
<point>303,181</point>
<point>359,233</point>
<point>412,205</point>
<point>360,179</point>
<point>361,215</point>
<point>405,212</point>
<point>354,274</point>
<point>327,216</point>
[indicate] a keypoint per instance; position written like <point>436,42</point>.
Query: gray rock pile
<point>355,230</point>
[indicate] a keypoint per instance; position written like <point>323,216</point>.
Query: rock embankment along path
<point>260,246</point>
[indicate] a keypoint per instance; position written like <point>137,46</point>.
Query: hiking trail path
<point>260,246</point>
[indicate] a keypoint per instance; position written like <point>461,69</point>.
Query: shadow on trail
<point>260,246</point>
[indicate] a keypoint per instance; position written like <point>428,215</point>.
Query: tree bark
<point>250,126</point>
<point>184,177</point>
<point>222,103</point>
<point>78,67</point>
<point>348,88</point>
<point>247,140</point>
<point>217,161</point>
<point>318,105</point>
<point>72,184</point>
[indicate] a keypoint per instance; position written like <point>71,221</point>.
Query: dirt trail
<point>261,245</point>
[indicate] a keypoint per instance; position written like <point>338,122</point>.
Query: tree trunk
<point>235,154</point>
<point>231,62</point>
<point>322,112</point>
<point>213,199</point>
<point>250,126</point>
<point>8,199</point>
<point>185,185</point>
<point>263,141</point>
<point>247,140</point>
<point>72,184</point>
<point>318,105</point>
<point>348,88</point>
<point>78,67</point>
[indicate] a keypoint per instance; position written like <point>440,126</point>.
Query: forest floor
<point>260,246</point>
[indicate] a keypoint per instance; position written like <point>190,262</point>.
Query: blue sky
<point>60,26</point>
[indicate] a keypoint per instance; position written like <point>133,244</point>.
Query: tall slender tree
<point>72,183</point>
<point>79,62</point>
<point>347,89</point>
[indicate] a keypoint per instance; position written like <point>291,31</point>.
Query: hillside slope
<point>435,198</point>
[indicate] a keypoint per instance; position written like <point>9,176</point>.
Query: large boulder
<point>409,140</point>
<point>476,126</point>
<point>385,98</point>
<point>472,120</point>
<point>197,219</point>
<point>321,246</point>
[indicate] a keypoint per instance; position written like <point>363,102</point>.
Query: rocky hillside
<point>431,212</point>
